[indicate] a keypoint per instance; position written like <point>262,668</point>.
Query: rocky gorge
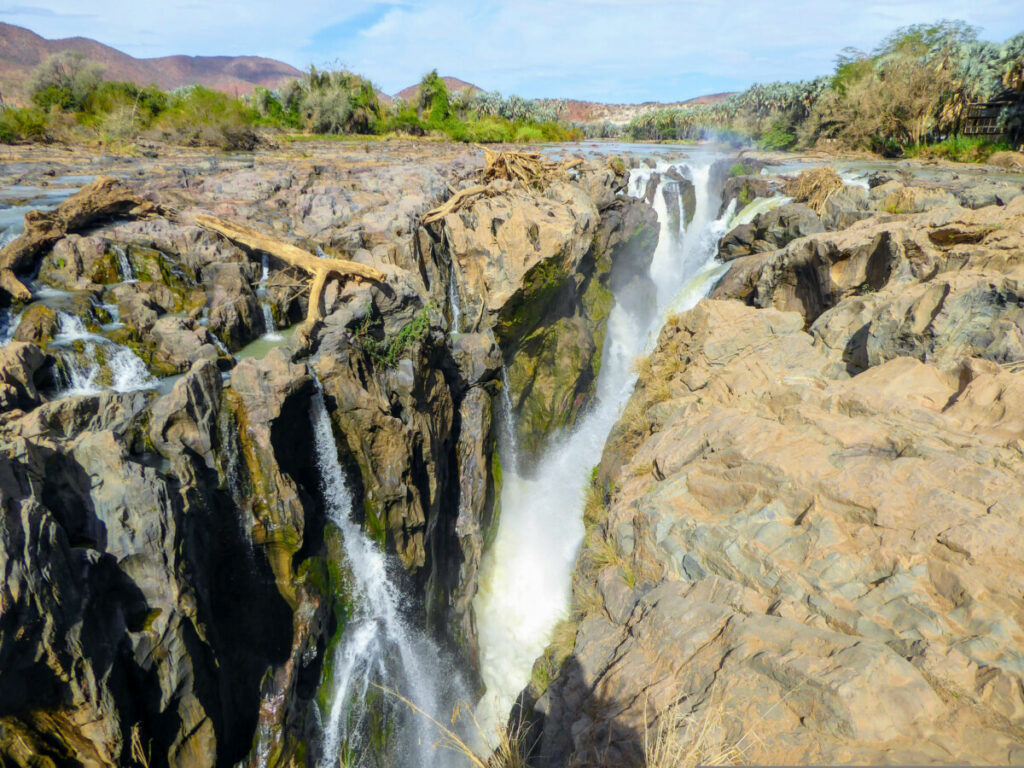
<point>248,496</point>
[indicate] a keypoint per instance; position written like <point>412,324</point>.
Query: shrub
<point>814,186</point>
<point>405,120</point>
<point>332,102</point>
<point>197,116</point>
<point>122,109</point>
<point>432,99</point>
<point>777,137</point>
<point>65,80</point>
<point>22,125</point>
<point>960,149</point>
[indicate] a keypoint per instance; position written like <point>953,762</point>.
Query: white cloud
<point>621,50</point>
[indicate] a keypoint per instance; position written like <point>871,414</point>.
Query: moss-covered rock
<point>550,377</point>
<point>39,324</point>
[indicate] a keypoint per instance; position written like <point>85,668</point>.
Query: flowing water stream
<point>92,362</point>
<point>526,576</point>
<point>378,646</point>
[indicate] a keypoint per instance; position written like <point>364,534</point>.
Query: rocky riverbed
<point>806,519</point>
<point>173,589</point>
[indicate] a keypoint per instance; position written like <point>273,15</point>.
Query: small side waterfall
<point>507,426</point>
<point>269,328</point>
<point>124,265</point>
<point>9,323</point>
<point>93,363</point>
<point>378,647</point>
<point>526,576</point>
<point>454,303</point>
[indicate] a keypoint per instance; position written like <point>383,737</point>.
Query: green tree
<point>66,79</point>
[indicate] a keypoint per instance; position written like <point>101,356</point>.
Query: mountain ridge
<point>22,50</point>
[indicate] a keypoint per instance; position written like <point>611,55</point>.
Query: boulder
<point>39,324</point>
<point>21,368</point>
<point>770,230</point>
<point>235,314</point>
<point>179,342</point>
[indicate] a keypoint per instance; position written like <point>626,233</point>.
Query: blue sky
<point>600,50</point>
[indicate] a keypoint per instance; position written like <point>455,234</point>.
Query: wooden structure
<point>982,118</point>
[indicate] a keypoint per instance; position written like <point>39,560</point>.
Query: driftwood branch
<point>104,198</point>
<point>321,271</point>
<point>454,203</point>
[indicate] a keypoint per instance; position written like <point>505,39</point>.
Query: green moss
<point>597,306</point>
<point>549,367</point>
<point>38,324</point>
<point>151,618</point>
<point>739,169</point>
<point>386,352</point>
<point>491,530</point>
<point>105,270</point>
<point>547,667</point>
<point>527,308</point>
<point>373,522</point>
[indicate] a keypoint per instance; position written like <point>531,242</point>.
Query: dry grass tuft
<point>511,751</point>
<point>594,511</point>
<point>679,739</point>
<point>814,187</point>
<point>586,599</point>
<point>547,667</point>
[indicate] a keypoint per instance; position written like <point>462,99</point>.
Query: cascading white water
<point>378,647</point>
<point>453,300</point>
<point>8,325</point>
<point>752,209</point>
<point>269,327</point>
<point>99,359</point>
<point>526,576</point>
<point>124,265</point>
<point>507,426</point>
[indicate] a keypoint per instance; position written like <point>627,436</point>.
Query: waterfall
<point>8,325</point>
<point>752,209</point>
<point>453,299</point>
<point>92,362</point>
<point>378,645</point>
<point>269,328</point>
<point>507,426</point>
<point>221,345</point>
<point>124,265</point>
<point>526,576</point>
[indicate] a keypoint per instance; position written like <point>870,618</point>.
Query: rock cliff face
<point>802,537</point>
<point>536,270</point>
<point>170,585</point>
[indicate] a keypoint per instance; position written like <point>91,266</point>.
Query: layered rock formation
<point>803,536</point>
<point>172,587</point>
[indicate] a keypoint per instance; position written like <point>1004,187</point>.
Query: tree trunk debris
<point>321,271</point>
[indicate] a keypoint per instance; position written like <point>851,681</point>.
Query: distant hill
<point>22,50</point>
<point>453,84</point>
<point>620,114</point>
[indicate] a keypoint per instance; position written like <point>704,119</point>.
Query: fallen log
<point>321,271</point>
<point>104,198</point>
<point>454,203</point>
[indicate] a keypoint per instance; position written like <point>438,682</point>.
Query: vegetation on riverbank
<point>909,96</point>
<point>70,102</point>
